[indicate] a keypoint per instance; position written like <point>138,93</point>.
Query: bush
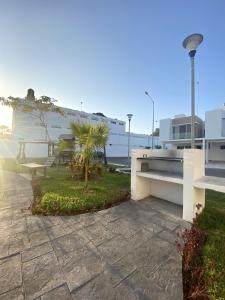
<point>53,203</point>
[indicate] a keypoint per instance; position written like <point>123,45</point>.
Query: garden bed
<point>59,194</point>
<point>204,252</point>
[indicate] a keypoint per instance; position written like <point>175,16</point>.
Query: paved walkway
<point>126,252</point>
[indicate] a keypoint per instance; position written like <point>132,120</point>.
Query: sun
<point>6,116</point>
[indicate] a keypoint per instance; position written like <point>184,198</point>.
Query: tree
<point>99,114</point>
<point>156,132</point>
<point>90,138</point>
<point>37,107</point>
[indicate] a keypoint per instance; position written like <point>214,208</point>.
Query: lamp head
<point>129,116</point>
<point>192,42</point>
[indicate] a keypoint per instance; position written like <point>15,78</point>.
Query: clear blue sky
<point>106,53</point>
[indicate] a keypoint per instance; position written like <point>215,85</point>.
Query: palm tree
<point>90,138</point>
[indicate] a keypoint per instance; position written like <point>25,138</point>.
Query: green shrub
<point>54,203</point>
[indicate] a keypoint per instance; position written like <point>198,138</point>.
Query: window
<point>121,123</point>
<point>222,147</point>
<point>113,122</point>
<point>71,114</point>
<point>56,126</point>
<point>83,116</point>
<point>94,119</point>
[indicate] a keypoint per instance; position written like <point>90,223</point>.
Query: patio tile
<point>151,255</point>
<point>169,236</point>
<point>68,243</point>
<point>16,294</point>
<point>146,288</point>
<point>101,287</point>
<point>126,265</point>
<point>140,237</point>
<point>87,252</point>
<point>4,246</point>
<point>10,273</point>
<point>41,275</point>
<point>36,251</point>
<point>152,227</point>
<point>61,292</point>
<point>38,237</point>
<point>56,231</point>
<point>49,221</point>
<point>161,221</point>
<point>97,233</point>
<point>81,266</point>
<point>172,284</point>
<point>34,223</point>
<point>88,219</point>
<point>68,220</point>
<point>113,249</point>
<point>125,227</point>
<point>19,242</point>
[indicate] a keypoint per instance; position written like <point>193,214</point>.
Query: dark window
<point>222,147</point>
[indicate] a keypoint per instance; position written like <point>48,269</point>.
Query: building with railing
<point>209,135</point>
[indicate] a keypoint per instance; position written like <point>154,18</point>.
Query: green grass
<point>212,221</point>
<point>62,194</point>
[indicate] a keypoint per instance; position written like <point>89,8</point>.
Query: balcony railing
<point>181,136</point>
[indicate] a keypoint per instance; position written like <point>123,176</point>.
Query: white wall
<point>165,130</point>
<point>213,124</point>
<point>215,153</point>
<point>117,144</point>
<point>10,149</point>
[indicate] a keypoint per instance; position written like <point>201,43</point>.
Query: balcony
<point>181,135</point>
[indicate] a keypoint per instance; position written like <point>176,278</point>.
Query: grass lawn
<point>61,194</point>
<point>212,221</point>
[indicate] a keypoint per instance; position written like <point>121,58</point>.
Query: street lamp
<point>128,154</point>
<point>191,43</point>
<point>153,116</point>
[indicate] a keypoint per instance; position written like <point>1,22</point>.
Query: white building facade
<point>215,135</point>
<point>26,127</point>
<point>209,134</point>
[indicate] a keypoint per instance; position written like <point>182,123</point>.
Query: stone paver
<point>125,252</point>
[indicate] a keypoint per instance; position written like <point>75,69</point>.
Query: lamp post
<point>153,116</point>
<point>128,153</point>
<point>191,43</point>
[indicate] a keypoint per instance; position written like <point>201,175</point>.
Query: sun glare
<point>5,116</point>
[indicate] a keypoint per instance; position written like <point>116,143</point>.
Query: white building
<point>209,135</point>
<point>215,134</point>
<point>26,127</point>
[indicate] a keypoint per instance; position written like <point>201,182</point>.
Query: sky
<point>106,53</point>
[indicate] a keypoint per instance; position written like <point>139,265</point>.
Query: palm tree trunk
<point>105,159</point>
<point>86,176</point>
